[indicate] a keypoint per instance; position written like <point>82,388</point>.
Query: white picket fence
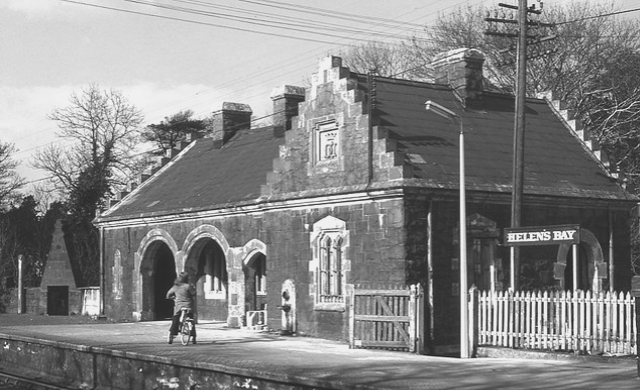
<point>561,321</point>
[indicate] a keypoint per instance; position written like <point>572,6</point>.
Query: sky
<point>167,56</point>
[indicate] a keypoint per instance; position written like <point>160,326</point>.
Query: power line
<point>320,11</point>
<point>284,23</point>
<point>198,22</point>
<point>600,16</point>
<point>331,13</point>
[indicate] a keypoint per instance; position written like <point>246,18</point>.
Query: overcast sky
<point>177,60</point>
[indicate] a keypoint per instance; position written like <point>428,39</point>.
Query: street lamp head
<point>440,110</point>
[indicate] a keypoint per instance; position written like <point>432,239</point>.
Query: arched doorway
<point>158,272</point>
<point>208,263</point>
<point>164,276</point>
<point>583,281</point>
<point>591,268</point>
<point>255,283</point>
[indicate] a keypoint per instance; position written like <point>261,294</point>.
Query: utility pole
<point>518,137</point>
<point>520,105</point>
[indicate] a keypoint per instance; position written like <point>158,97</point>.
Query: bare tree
<point>101,127</point>
<point>10,180</point>
<point>385,59</point>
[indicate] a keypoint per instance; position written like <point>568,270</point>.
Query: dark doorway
<point>583,271</point>
<point>58,300</point>
<point>164,273</point>
<point>255,293</point>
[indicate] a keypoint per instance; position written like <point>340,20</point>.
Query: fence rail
<point>573,321</point>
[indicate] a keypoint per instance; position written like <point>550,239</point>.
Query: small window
<point>331,270</point>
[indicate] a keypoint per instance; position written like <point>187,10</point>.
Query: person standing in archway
<point>183,294</point>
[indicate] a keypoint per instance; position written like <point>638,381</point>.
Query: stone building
<point>59,293</point>
<point>355,183</point>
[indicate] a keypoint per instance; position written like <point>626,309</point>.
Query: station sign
<point>541,235</point>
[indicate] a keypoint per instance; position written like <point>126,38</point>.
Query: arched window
<point>215,271</point>
<point>329,241</point>
<point>330,268</point>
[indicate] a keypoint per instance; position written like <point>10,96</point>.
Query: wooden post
<point>413,319</point>
<point>635,292</point>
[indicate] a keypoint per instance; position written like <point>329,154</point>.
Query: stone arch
<point>594,257</point>
<point>252,293</point>
<point>206,246</point>
<point>144,258</point>
<point>194,243</point>
<point>251,248</point>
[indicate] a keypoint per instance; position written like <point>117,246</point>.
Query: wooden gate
<point>386,318</point>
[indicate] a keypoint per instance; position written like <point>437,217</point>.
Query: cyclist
<point>182,293</point>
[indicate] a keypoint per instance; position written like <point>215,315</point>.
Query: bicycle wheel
<point>185,333</point>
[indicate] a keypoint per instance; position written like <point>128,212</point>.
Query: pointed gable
<point>58,271</point>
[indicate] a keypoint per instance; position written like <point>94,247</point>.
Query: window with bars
<point>330,274</point>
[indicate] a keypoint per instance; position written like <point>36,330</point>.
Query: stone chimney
<point>462,70</point>
<point>285,105</point>
<point>227,121</point>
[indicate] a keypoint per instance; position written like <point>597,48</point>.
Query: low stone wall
<point>32,301</point>
<point>81,367</point>
<point>12,301</point>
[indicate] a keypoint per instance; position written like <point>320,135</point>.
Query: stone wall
<point>376,254</point>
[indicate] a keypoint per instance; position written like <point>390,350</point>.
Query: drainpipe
<point>371,84</point>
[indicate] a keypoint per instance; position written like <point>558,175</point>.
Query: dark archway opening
<point>255,293</point>
<point>58,300</point>
<point>583,270</point>
<point>164,272</point>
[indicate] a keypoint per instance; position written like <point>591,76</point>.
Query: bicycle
<point>185,327</point>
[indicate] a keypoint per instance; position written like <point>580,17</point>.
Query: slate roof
<point>203,176</point>
<point>556,163</point>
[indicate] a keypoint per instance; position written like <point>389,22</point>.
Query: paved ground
<point>325,360</point>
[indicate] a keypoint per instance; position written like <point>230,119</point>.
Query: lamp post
<point>464,311</point>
